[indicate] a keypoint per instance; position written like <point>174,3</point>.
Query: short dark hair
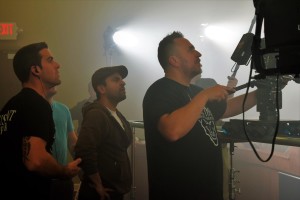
<point>25,58</point>
<point>165,48</point>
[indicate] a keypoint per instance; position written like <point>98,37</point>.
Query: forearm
<point>235,105</point>
<point>37,159</point>
<point>177,124</point>
<point>50,167</point>
<point>96,180</point>
<point>98,186</point>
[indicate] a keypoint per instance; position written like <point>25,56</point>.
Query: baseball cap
<point>101,74</point>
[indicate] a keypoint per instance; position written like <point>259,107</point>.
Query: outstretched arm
<point>235,104</point>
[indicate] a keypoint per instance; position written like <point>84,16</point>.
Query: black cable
<point>277,124</point>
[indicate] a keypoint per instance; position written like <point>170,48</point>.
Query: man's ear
<point>35,71</point>
<point>173,60</point>
<point>101,89</point>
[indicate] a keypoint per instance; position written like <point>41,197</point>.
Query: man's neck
<point>105,102</point>
<point>178,78</point>
<point>38,89</point>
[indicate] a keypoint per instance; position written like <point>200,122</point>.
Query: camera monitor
<point>281,21</point>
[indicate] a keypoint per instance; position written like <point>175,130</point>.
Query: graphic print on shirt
<point>4,119</point>
<point>208,124</point>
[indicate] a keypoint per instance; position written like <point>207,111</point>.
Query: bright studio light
<point>221,34</point>
<point>124,39</point>
<point>215,33</point>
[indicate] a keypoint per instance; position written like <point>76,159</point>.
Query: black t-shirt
<point>26,114</point>
<point>190,168</point>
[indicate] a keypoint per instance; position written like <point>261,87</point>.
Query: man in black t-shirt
<point>183,150</point>
<point>27,129</point>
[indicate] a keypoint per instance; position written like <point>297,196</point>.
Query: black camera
<point>281,21</point>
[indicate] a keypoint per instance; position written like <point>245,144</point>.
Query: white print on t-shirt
<point>207,122</point>
<point>4,119</point>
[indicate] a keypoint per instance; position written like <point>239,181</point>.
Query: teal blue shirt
<point>63,125</point>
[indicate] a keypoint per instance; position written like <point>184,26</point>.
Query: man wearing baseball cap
<point>104,138</point>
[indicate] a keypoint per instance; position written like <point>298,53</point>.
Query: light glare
<point>124,39</point>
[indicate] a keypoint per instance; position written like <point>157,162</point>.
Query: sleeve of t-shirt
<point>162,100</point>
<point>37,119</point>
